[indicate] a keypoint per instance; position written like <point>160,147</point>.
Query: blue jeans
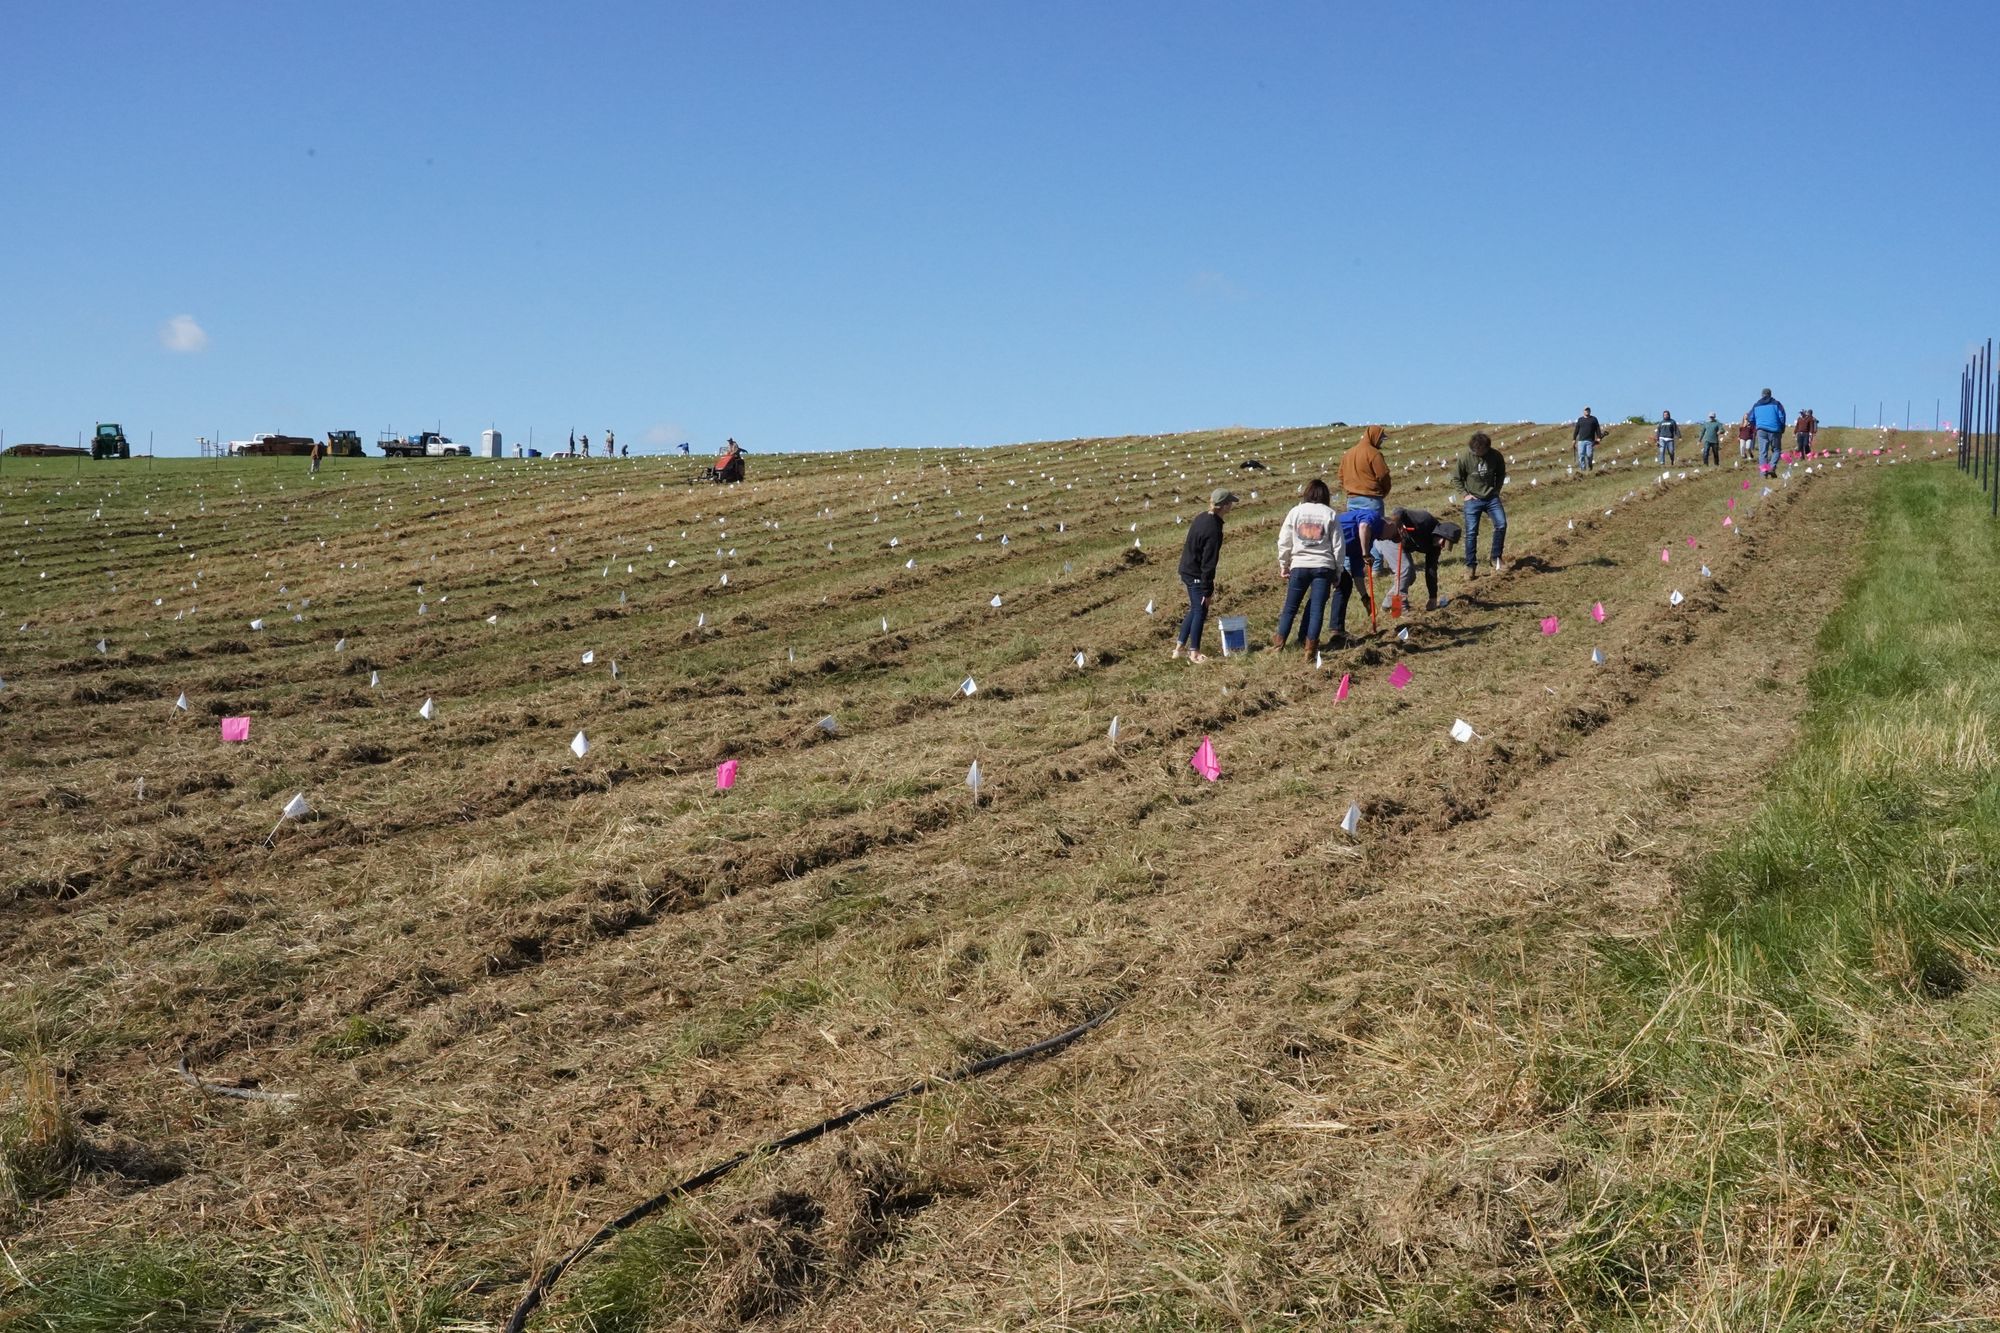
<point>1352,574</point>
<point>1586,453</point>
<point>1666,451</point>
<point>1474,507</point>
<point>1197,616</point>
<point>1365,504</point>
<point>1310,586</point>
<point>1770,444</point>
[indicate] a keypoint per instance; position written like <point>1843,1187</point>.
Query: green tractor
<point>109,442</point>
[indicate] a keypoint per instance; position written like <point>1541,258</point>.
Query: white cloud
<point>182,334</point>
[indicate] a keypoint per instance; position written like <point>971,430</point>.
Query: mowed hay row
<point>511,985</point>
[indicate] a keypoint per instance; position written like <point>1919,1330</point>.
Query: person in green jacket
<point>1481,473</point>
<point>1711,441</point>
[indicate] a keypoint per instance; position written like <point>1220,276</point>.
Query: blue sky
<point>830,225</point>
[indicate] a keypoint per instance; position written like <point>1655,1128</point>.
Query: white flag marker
<point>578,746</point>
<point>297,808</point>
<point>968,687</point>
<point>257,624</point>
<point>973,777</point>
<point>1597,657</point>
<point>615,672</point>
<point>493,619</point>
<point>1112,733</point>
<point>1461,731</point>
<point>995,603</point>
<point>590,656</point>
<point>428,711</point>
<point>1353,820</point>
<point>1079,660</point>
<point>1676,599</point>
<point>1149,606</point>
<point>885,624</point>
<point>182,702</point>
<point>374,679</point>
<point>828,725</point>
<point>1705,574</point>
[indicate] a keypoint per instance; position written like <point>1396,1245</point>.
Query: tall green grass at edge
<point>1784,1108</point>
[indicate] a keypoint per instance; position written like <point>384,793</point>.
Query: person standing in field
<point>1199,556</point>
<point>1364,475</point>
<point>1807,430</point>
<point>315,455</point>
<point>1667,434</point>
<point>1306,558</point>
<point>1711,440</point>
<point>1481,472</point>
<point>1415,533</point>
<point>1587,432</point>
<point>609,439</point>
<point>1767,418</point>
<point>1744,438</point>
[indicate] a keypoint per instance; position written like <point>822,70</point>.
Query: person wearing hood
<point>1767,418</point>
<point>1481,472</point>
<point>1667,434</point>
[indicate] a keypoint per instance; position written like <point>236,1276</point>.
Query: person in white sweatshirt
<point>1308,551</point>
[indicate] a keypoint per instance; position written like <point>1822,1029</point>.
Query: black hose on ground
<point>538,1292</point>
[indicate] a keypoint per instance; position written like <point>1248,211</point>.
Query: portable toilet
<point>1235,634</point>
<point>489,444</point>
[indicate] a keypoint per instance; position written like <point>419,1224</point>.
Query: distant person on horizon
<point>1711,440</point>
<point>1306,559</point>
<point>1667,434</point>
<point>1745,439</point>
<point>1767,417</point>
<point>729,463</point>
<point>1200,554</point>
<point>1807,430</point>
<point>1481,472</point>
<point>609,452</point>
<point>317,453</point>
<point>586,446</point>
<point>1587,432</point>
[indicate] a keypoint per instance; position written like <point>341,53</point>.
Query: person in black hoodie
<point>1199,557</point>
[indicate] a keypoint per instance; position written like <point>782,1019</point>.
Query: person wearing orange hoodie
<point>1364,475</point>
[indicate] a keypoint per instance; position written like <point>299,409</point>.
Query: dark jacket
<point>1425,533</point>
<point>1481,477</point>
<point>1668,430</point>
<point>1587,428</point>
<point>1203,549</point>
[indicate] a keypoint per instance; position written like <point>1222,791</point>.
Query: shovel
<point>1396,598</point>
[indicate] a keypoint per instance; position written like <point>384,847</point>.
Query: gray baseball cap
<point>1221,495</point>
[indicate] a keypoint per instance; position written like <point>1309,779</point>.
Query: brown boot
<point>1277,641</point>
<point>1312,649</point>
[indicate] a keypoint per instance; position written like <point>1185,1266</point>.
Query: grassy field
<point>1466,1067</point>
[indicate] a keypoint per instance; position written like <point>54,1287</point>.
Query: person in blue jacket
<point>1767,418</point>
<point>1353,565</point>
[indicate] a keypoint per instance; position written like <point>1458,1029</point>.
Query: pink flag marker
<point>1665,557</point>
<point>725,775</point>
<point>1728,522</point>
<point>1746,483</point>
<point>1346,679</point>
<point>236,728</point>
<point>1731,504</point>
<point>1597,613</point>
<point>1400,674</point>
<point>1690,541</point>
<point>1203,760</point>
<point>1550,625</point>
